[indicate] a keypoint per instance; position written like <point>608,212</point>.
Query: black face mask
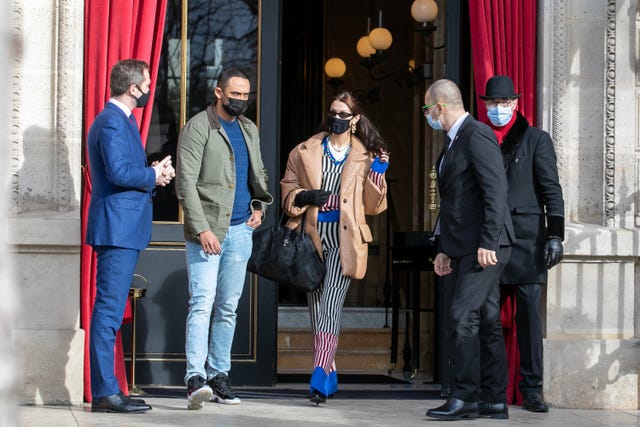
<point>143,99</point>
<point>338,126</point>
<point>235,107</point>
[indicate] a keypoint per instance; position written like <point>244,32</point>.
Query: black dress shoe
<point>455,409</point>
<point>117,403</point>
<point>534,402</point>
<point>134,401</point>
<point>498,411</point>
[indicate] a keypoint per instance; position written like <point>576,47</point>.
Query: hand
<point>486,257</point>
<point>210,243</point>
<point>442,265</point>
<point>380,163</point>
<point>164,171</point>
<point>255,220</point>
<point>311,197</point>
<point>553,251</point>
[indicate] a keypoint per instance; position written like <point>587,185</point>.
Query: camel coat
<point>359,196</point>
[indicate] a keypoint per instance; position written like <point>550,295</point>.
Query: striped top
<point>331,178</point>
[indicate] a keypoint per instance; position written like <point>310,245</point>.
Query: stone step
<point>356,360</point>
<point>360,350</point>
<point>373,338</point>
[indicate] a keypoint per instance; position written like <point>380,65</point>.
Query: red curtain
<point>503,41</point>
<point>114,30</point>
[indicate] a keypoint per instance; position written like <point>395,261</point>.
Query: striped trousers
<point>325,303</point>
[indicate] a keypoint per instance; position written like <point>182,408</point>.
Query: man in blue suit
<point>119,224</point>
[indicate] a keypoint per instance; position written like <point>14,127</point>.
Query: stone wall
<point>45,153</point>
<point>8,297</point>
<point>590,104</point>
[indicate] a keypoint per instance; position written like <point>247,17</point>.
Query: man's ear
<point>217,91</point>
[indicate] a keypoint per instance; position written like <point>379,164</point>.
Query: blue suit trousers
<point>115,273</point>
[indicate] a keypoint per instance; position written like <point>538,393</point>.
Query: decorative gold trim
<point>183,62</point>
<point>433,184</point>
<point>165,245</point>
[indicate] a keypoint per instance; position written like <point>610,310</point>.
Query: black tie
<point>447,146</point>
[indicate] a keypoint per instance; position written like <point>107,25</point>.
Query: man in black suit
<point>534,193</point>
<point>475,242</point>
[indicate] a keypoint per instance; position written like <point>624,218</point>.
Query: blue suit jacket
<point>121,212</point>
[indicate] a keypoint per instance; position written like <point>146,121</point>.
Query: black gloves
<point>311,197</point>
<point>553,251</point>
<point>555,235</point>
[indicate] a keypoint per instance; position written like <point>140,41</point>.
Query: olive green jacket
<point>206,177</point>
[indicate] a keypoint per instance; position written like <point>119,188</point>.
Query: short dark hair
<point>225,75</point>
<point>126,73</point>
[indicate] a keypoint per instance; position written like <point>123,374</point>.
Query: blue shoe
<point>332,383</point>
<point>318,386</point>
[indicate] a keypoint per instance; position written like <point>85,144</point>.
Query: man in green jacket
<point>221,183</point>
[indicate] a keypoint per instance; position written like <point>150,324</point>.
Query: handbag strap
<point>302,225</point>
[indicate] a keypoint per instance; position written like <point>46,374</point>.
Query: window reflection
<point>220,34</point>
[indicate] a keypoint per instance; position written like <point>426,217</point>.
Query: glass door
<point>201,38</point>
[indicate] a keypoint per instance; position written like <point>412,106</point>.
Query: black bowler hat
<point>500,87</point>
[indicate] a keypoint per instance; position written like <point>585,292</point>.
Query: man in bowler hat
<point>537,212</point>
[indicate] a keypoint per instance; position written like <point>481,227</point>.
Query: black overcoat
<point>534,193</point>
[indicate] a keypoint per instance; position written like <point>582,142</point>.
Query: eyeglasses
<point>499,102</point>
<point>341,114</point>
<point>425,108</point>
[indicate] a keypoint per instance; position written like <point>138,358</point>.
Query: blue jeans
<point>215,283</point>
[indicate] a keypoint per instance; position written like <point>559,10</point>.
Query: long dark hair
<point>365,129</point>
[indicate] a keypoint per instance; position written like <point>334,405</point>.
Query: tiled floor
<point>285,405</point>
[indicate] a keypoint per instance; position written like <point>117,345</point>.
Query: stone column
<point>588,88</point>
<point>8,296</point>
<point>45,144</point>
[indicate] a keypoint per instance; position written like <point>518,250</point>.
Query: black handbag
<point>287,257</point>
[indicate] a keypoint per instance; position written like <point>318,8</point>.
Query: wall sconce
<point>364,47</point>
<point>380,38</point>
<point>418,74</point>
<point>425,12</point>
<point>335,68</point>
<point>372,47</point>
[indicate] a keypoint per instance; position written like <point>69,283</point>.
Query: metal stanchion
<point>135,294</point>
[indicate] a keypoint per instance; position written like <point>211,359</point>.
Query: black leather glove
<point>311,197</point>
<point>553,251</point>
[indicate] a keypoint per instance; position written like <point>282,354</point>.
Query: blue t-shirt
<point>242,200</point>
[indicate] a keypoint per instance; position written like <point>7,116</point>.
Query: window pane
<point>220,34</point>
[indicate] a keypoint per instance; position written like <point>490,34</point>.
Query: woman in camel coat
<point>335,178</point>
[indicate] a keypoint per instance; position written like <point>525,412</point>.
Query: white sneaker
<point>198,392</point>
<point>229,401</point>
<point>222,391</point>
